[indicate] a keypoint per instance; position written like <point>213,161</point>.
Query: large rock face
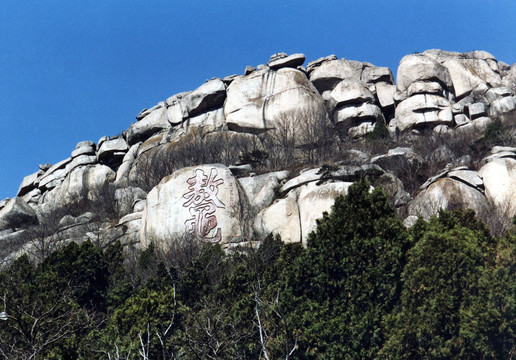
<point>264,99</point>
<point>448,193</point>
<point>437,88</point>
<point>276,119</point>
<point>421,68</point>
<point>201,201</point>
<point>83,183</point>
<point>294,217</point>
<point>468,70</point>
<point>17,214</point>
<point>422,110</point>
<point>499,177</point>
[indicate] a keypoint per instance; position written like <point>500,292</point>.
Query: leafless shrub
<point>192,149</point>
<point>182,252</point>
<point>498,217</point>
<point>212,333</point>
<point>301,137</point>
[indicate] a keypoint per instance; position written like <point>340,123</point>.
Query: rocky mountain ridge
<point>268,151</point>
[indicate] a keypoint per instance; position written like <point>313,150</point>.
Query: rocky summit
<point>268,151</point>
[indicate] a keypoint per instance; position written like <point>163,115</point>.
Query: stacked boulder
<point>490,189</point>
<point>355,93</point>
<point>447,92</point>
<point>444,90</point>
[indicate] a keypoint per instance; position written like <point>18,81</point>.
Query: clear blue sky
<point>73,70</point>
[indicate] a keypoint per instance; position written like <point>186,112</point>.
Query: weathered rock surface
<point>125,199</point>
<point>447,193</point>
<point>442,93</point>
<point>84,148</point>
<point>16,214</point>
<point>113,148</point>
<point>420,68</point>
<point>292,61</point>
<point>398,158</point>
<point>351,92</point>
<point>468,70</point>
<point>156,121</point>
<point>261,189</point>
<point>208,96</point>
<point>423,110</point>
<point>83,183</point>
<point>29,183</point>
<point>294,216</point>
<point>330,73</point>
<point>281,218</point>
<point>499,176</point>
<point>263,99</point>
<point>315,199</point>
<point>201,201</point>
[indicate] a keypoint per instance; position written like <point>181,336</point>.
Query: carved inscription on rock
<point>202,203</point>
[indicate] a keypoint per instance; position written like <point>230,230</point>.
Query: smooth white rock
<point>259,101</point>
<point>385,93</point>
<point>149,125</point>
<point>330,73</point>
<point>349,115</point>
<point>280,218</point>
<point>423,109</point>
<point>499,177</point>
<point>177,113</point>
<point>209,95</point>
<point>351,92</point>
<point>419,67</point>
<point>201,201</point>
<point>315,199</point>
<point>446,193</point>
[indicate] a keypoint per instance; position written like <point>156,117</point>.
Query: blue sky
<point>75,70</point>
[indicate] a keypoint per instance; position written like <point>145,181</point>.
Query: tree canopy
<point>365,287</point>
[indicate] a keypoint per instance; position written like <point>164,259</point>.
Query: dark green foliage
<point>494,133</point>
<point>380,132</point>
<point>325,172</point>
<point>256,158</point>
<point>365,287</point>
<point>82,268</point>
<point>350,276</point>
<point>447,309</point>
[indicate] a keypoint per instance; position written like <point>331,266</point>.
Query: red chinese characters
<point>202,202</point>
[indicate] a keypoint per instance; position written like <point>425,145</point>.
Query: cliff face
<point>268,151</point>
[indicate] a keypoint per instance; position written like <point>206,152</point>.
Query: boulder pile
<point>102,191</point>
